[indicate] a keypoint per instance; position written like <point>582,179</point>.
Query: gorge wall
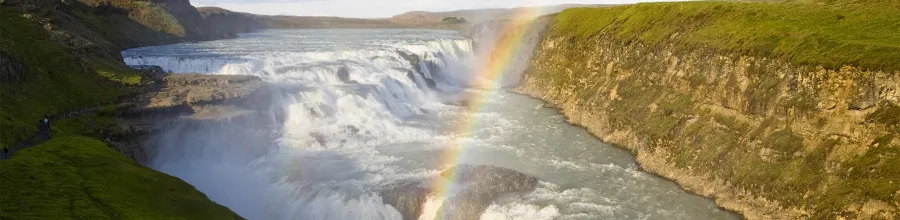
<point>762,133</point>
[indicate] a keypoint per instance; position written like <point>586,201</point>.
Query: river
<point>324,151</point>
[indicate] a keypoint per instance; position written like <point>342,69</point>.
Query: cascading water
<point>367,109</point>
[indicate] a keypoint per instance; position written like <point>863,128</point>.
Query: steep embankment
<point>81,178</point>
<point>59,56</point>
<point>776,110</point>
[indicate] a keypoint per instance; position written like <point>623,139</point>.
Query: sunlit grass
<point>832,35</point>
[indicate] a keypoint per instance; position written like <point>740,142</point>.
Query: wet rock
<point>482,185</point>
<point>479,186</point>
<point>415,62</point>
<point>407,198</point>
<point>344,75</point>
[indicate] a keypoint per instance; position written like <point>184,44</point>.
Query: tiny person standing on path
<point>5,153</point>
<point>47,126</point>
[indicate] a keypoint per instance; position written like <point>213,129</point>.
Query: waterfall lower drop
<point>355,113</point>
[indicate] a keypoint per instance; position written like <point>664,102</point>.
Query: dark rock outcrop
<point>344,75</point>
<point>415,62</point>
<point>12,71</point>
<point>479,186</point>
<point>195,27</point>
<point>36,7</point>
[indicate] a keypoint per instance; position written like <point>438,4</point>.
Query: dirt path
<point>35,139</point>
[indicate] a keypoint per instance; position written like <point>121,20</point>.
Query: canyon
<point>772,120</point>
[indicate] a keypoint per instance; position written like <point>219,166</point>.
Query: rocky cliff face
<point>187,99</point>
<point>764,137</point>
<point>195,26</point>
<point>229,22</point>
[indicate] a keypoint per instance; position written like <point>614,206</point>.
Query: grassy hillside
<point>56,80</point>
<point>81,178</point>
<point>64,60</point>
<point>828,33</point>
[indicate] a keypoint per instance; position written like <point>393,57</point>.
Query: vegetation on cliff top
<point>829,33</point>
<point>81,178</point>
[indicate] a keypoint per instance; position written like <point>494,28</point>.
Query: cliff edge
<point>787,110</point>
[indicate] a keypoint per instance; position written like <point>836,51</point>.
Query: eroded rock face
<point>479,186</point>
<point>207,96</point>
<point>764,137</point>
<point>190,100</point>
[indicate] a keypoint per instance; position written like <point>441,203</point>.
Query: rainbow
<point>485,81</point>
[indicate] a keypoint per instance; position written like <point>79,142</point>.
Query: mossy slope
<point>80,177</point>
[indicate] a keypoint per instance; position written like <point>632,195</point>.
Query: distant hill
<point>475,16</point>
<point>237,22</point>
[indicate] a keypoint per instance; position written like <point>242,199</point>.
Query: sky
<point>376,8</point>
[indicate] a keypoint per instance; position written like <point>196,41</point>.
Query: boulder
<point>479,186</point>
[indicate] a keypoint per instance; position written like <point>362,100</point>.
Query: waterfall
<point>311,154</point>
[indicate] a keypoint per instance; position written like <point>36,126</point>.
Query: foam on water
<point>325,149</point>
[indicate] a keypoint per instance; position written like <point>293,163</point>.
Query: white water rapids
<point>325,150</point>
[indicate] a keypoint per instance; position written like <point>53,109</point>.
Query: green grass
<point>74,176</point>
<point>79,177</point>
<point>117,72</point>
<point>56,80</point>
<point>832,35</point>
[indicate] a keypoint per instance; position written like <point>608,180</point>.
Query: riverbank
<point>769,125</point>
